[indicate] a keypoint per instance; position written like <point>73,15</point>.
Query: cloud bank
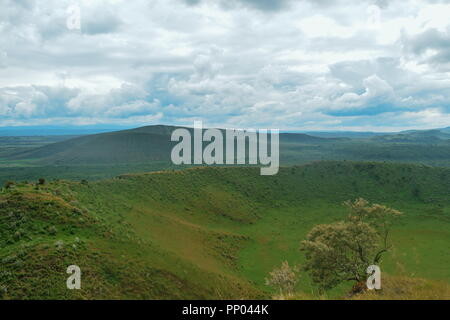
<point>311,65</point>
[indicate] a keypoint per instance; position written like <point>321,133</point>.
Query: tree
<point>379,217</point>
<point>342,251</point>
<point>283,278</point>
<point>41,181</point>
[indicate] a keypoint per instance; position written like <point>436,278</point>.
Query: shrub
<point>283,278</point>
<point>59,244</point>
<point>3,291</point>
<point>41,181</point>
<point>52,230</point>
<point>9,184</point>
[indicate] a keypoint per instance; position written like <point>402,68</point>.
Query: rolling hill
<point>212,232</point>
<point>445,130</point>
<point>115,147</point>
<point>144,149</point>
<point>150,143</point>
<point>427,136</point>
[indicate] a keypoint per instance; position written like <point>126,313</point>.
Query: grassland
<point>106,155</point>
<point>214,232</point>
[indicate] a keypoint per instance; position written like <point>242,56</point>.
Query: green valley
<point>212,232</point>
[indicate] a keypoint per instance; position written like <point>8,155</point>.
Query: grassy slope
<point>144,149</point>
<point>209,232</point>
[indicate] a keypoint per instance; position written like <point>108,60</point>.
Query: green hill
<point>208,232</point>
<point>148,148</point>
<point>145,144</point>
<point>104,148</point>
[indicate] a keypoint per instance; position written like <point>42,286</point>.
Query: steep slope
<point>46,230</point>
<point>207,232</point>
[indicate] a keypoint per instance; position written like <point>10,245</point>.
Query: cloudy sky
<point>289,64</point>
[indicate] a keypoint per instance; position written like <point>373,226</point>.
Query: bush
<point>17,235</point>
<point>9,184</point>
<point>41,181</point>
<point>283,278</point>
<point>59,244</point>
<point>52,230</point>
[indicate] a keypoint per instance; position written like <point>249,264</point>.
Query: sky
<point>367,65</point>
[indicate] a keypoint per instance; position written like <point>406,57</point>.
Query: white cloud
<point>377,91</point>
<point>297,64</point>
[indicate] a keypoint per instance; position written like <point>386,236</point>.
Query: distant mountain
<point>149,143</point>
<point>126,146</point>
<point>345,134</point>
<point>306,138</point>
<point>137,149</point>
<point>426,136</point>
<point>408,135</point>
<point>445,130</point>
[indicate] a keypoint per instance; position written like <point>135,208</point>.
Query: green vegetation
<point>284,279</point>
<point>343,250</point>
<point>213,232</point>
<point>106,155</point>
<point>10,145</point>
<point>8,185</point>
